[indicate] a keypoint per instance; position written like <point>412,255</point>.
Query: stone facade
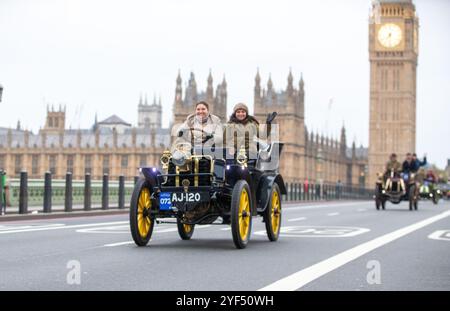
<point>111,146</point>
<point>307,155</point>
<point>184,106</point>
<point>115,147</point>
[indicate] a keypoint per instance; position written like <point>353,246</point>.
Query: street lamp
<point>1,92</point>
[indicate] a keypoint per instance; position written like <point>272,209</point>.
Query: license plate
<point>169,199</point>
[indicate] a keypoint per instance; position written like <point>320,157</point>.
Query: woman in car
<point>242,131</point>
<point>201,130</point>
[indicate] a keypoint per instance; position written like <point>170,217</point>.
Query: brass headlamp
<point>165,159</point>
<point>241,157</point>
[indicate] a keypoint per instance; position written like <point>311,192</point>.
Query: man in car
<point>417,163</point>
<point>392,165</point>
<point>409,164</point>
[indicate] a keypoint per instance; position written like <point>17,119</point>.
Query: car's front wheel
<point>141,221</point>
<point>241,214</point>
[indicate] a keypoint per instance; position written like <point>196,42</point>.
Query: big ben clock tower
<point>393,51</point>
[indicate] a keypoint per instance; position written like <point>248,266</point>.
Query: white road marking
<point>125,229</point>
<point>50,227</point>
<point>161,231</point>
<point>319,231</point>
<point>361,210</point>
<point>106,229</point>
<point>226,229</point>
<point>442,235</point>
<point>118,244</point>
<point>307,275</point>
<point>332,214</point>
<point>313,206</point>
<point>297,219</point>
<point>9,228</point>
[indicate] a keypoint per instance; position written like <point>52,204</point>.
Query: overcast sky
<point>98,56</point>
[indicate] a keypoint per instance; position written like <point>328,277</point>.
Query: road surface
<point>323,246</point>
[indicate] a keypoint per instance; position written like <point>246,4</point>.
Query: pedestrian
<point>5,192</point>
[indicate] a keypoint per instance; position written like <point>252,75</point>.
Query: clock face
<point>390,35</point>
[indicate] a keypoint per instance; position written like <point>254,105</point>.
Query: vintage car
<point>429,191</point>
<point>395,188</point>
<point>195,187</point>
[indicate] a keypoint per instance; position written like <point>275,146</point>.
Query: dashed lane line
<point>118,244</point>
<point>314,206</point>
<point>50,227</point>
<point>332,214</point>
<point>297,219</point>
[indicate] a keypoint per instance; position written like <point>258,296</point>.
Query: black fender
<point>265,187</point>
<point>151,175</point>
<point>233,173</point>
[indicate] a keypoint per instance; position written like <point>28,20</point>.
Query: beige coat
<point>212,126</point>
<point>239,135</point>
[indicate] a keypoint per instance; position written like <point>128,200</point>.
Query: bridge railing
<point>49,195</point>
<point>325,191</point>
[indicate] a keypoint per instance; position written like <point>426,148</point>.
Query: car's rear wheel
<point>378,198</point>
<point>272,214</point>
<point>141,221</point>
<point>435,197</point>
<point>185,231</point>
<point>241,214</point>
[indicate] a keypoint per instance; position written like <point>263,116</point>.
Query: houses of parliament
<point>116,147</point>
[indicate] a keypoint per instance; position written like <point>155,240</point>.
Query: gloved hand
<point>271,117</point>
<point>208,137</point>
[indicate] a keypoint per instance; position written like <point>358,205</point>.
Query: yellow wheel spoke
<point>244,214</point>
<point>144,203</point>
<point>275,212</point>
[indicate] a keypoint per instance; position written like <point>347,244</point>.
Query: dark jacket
<point>408,167</point>
<point>418,164</point>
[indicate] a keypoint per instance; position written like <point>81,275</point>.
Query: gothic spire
<point>290,86</point>
<point>257,77</point>
<point>269,83</point>
<point>301,84</point>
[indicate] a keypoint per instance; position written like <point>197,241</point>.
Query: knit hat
<point>202,103</point>
<point>240,106</point>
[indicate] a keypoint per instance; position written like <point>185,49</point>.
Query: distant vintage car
<point>196,188</point>
<point>428,190</point>
<point>396,188</point>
